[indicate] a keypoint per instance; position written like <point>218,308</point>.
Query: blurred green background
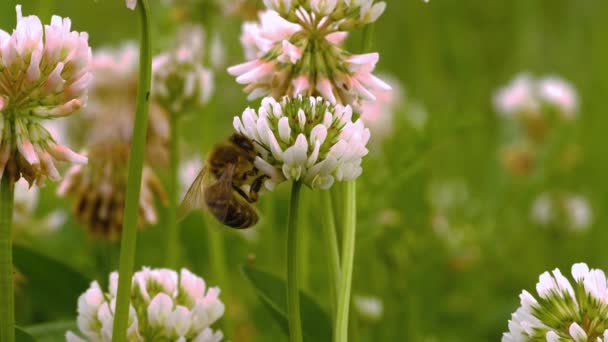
<point>450,56</point>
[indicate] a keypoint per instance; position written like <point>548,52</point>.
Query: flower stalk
<point>333,253</point>
<point>293,295</point>
<point>173,190</point>
<point>136,158</point>
<point>7,299</point>
<point>348,256</point>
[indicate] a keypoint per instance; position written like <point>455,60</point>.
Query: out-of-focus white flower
<point>566,311</point>
<point>347,13</point>
<point>369,307</point>
<point>181,82</point>
<point>526,96</point>
<point>188,170</point>
<point>44,75</point>
<point>379,115</point>
<point>26,199</point>
<point>297,50</point>
<point>110,114</point>
<point>131,4</point>
<point>164,306</point>
<point>305,139</point>
<point>571,211</point>
<point>560,94</point>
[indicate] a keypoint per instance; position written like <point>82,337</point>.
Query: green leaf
<point>316,323</point>
<point>51,332</point>
<point>22,336</point>
<point>52,286</point>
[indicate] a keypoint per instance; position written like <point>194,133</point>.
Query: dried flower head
<point>43,75</point>
<point>570,211</point>
<point>564,311</point>
<point>305,139</point>
<point>296,49</point>
<point>165,306</point>
<point>99,190</point>
<point>181,82</point>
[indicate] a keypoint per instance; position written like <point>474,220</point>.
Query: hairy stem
<point>293,295</point>
<point>348,257</point>
<point>7,299</point>
<point>136,159</point>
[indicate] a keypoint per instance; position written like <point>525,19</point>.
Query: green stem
<point>333,253</point>
<point>304,238</point>
<point>172,226</point>
<point>136,160</point>
<point>7,298</point>
<point>348,256</point>
<point>217,257</point>
<point>293,295</point>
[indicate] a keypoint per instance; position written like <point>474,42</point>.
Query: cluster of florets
<point>564,311</point>
<point>181,82</point>
<point>43,75</point>
<point>296,49</point>
<point>562,210</point>
<point>305,139</point>
<point>165,306</point>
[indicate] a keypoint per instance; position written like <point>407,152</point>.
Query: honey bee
<point>218,186</point>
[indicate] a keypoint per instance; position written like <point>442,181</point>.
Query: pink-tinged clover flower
<point>296,49</point>
<point>44,74</point>
<point>564,311</point>
<point>527,96</point>
<point>305,139</point>
<point>165,306</point>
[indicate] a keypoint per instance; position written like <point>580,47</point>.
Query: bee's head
<point>242,142</point>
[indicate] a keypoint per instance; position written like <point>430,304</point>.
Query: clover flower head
<point>379,115</point>
<point>572,211</point>
<point>305,139</point>
<point>43,75</point>
<point>564,311</point>
<point>99,188</point>
<point>347,14</point>
<point>527,96</point>
<point>296,49</point>
<point>165,306</point>
<point>110,115</point>
<point>180,80</point>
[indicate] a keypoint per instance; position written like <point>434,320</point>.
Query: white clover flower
<point>565,311</point>
<point>571,211</point>
<point>305,139</point>
<point>369,307</point>
<point>181,82</point>
<point>43,75</point>
<point>527,96</point>
<point>298,51</point>
<point>165,306</point>
<point>111,111</point>
<point>347,13</point>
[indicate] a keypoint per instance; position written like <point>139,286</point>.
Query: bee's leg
<point>253,195</point>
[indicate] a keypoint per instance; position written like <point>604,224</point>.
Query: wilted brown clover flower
<point>44,74</point>
<point>99,188</point>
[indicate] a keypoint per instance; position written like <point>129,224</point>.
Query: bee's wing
<point>195,197</point>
